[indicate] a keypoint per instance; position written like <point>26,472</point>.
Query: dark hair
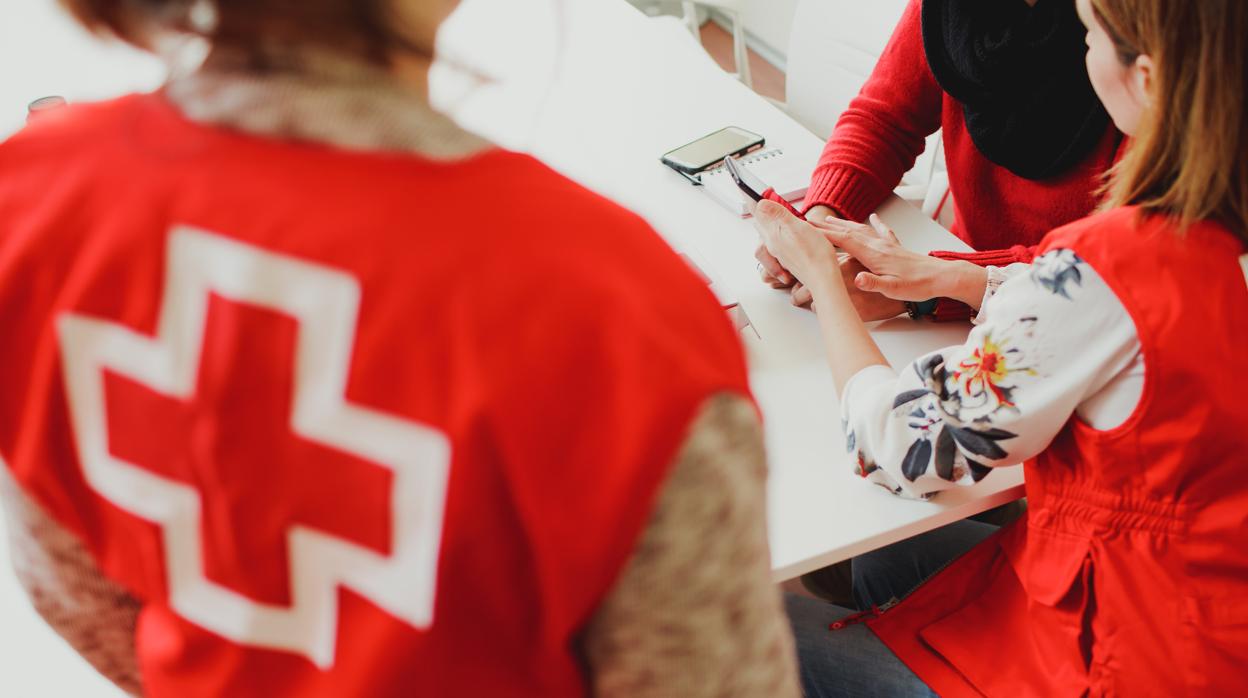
<point>365,28</point>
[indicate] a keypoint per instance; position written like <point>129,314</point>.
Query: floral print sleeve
<point>996,277</point>
<point>1054,336</point>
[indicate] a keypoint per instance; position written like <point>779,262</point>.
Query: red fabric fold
<point>949,310</point>
<point>991,258</point>
<point>849,192</point>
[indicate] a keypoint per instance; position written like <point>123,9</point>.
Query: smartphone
<point>709,151</point>
<point>753,187</point>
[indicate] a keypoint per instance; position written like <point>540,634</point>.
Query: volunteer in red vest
<point>1026,142</point>
<point>283,415</point>
<point>1027,145</point>
<point>1113,367</point>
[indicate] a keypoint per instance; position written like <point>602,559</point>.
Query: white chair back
<point>833,47</point>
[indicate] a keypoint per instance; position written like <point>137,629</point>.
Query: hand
<point>807,252</point>
<point>800,248</point>
<point>769,268</point>
<point>819,214</point>
<point>899,273</point>
<point>870,306</point>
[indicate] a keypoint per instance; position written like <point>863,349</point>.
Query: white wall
<point>42,52</point>
<point>769,22</point>
<point>766,21</point>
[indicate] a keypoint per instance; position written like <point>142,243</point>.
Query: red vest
<point>343,426</point>
<point>1129,576</point>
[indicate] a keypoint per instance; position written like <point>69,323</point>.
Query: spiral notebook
<point>788,174</point>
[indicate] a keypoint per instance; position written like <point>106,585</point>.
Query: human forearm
<point>849,346</point>
<point>1052,337</point>
<point>980,287</point>
<point>847,191</point>
<point>695,612</point>
<point>902,274</point>
<point>962,281</point>
<point>808,252</point>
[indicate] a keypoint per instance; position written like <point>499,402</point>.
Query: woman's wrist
<point>963,281</point>
<point>828,285</point>
<point>828,291</point>
<point>850,348</point>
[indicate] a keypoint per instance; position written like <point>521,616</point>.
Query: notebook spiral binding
<point>748,160</point>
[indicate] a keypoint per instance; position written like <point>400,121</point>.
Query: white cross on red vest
<point>251,459</point>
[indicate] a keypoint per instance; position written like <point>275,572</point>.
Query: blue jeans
<point>852,662</point>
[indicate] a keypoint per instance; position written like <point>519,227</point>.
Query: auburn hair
<point>1189,159</point>
<point>365,28</point>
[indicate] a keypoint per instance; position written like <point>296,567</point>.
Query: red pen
<point>754,187</point>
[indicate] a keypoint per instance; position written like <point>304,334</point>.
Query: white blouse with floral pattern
<point>1052,342</point>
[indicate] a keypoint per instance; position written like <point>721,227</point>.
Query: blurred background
<point>42,52</point>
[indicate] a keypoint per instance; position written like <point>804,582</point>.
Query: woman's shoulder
<point>1131,232</point>
<point>76,138</point>
<point>1147,260</point>
<point>73,123</point>
<point>31,158</point>
<point>1107,237</point>
<point>1109,221</point>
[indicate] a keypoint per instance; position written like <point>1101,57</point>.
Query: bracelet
<point>920,310</point>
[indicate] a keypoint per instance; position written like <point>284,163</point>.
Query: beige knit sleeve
<point>94,615</point>
<point>695,612</point>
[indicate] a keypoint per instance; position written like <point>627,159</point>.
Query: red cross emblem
<point>231,430</point>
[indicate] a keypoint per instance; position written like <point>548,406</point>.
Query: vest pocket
<point>1215,645</point>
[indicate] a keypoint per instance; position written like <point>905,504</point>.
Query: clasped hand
<point>875,269</point>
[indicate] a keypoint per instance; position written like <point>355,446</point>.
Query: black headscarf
<point>1020,75</point>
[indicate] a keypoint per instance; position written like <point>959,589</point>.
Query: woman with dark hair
<point>280,419</point>
<point>1026,141</point>
<point>1113,368</point>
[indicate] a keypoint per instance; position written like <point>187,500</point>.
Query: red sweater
<point>879,137</point>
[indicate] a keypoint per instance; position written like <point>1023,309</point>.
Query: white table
<point>628,89</point>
